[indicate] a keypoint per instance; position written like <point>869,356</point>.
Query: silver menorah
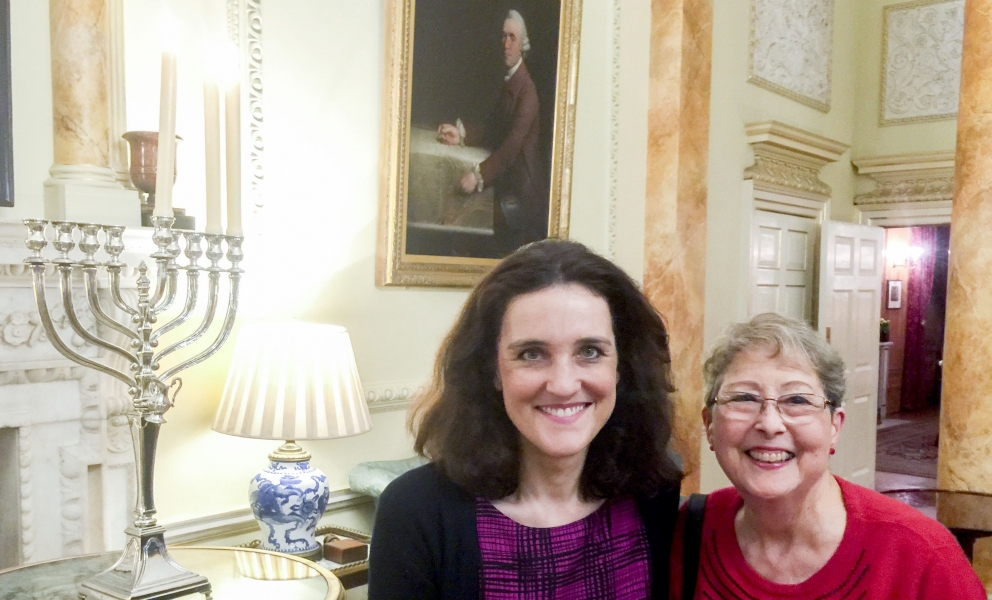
<point>145,570</point>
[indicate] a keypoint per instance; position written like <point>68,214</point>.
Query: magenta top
<point>601,557</point>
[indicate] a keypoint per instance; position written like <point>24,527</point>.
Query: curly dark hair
<point>461,424</point>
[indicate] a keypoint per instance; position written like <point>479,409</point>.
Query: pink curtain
<point>920,360</point>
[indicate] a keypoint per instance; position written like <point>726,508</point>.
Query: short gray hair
<point>782,334</point>
<point>524,40</point>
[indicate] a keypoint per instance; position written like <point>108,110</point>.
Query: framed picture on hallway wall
<point>478,124</point>
<point>895,293</point>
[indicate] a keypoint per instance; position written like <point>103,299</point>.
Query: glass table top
<point>234,573</point>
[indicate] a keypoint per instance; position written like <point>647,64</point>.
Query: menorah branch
<point>208,319</point>
<point>38,280</point>
<point>92,295</point>
<point>192,287</point>
<point>65,284</point>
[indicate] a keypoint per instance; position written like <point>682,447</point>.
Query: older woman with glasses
<point>788,528</point>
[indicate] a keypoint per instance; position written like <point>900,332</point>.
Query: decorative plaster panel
<point>791,49</point>
<point>921,70</point>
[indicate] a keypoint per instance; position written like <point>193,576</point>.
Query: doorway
<point>914,301</point>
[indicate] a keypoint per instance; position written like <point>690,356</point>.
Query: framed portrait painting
<point>477,134</point>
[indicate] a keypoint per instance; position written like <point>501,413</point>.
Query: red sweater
<point>889,550</point>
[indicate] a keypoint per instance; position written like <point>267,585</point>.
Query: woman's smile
<point>564,413</point>
<point>770,458</point>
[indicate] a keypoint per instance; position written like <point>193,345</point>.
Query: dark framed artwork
<point>477,134</point>
<point>894,293</point>
<point>6,120</point>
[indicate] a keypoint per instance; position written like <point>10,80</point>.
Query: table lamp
<point>292,381</point>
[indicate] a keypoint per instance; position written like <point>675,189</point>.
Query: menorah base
<point>144,572</point>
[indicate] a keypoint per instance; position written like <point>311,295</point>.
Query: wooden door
<point>851,270</point>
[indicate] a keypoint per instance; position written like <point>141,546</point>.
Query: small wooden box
<point>343,551</point>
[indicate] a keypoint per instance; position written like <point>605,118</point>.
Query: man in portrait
<point>514,168</point>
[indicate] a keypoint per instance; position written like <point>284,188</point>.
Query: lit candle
<point>232,118</point>
<point>166,167</point>
<point>211,121</point>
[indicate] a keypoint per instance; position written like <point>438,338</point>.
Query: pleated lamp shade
<point>293,381</point>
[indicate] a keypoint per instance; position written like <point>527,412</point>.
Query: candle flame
<point>170,33</point>
<point>229,63</point>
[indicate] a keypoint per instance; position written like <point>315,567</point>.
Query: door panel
<point>850,280</point>
<point>781,265</point>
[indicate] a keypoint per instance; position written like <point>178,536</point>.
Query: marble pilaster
<point>83,185</point>
<point>966,404</point>
<point>80,82</point>
<point>966,400</point>
<point>675,207</point>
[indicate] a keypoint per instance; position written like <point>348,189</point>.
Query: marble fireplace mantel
<point>66,465</point>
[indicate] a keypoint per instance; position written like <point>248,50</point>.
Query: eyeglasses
<point>792,407</point>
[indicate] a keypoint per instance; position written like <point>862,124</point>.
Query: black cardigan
<point>425,545</point>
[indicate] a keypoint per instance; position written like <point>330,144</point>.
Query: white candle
<point>211,120</point>
<point>232,117</point>
<point>166,167</point>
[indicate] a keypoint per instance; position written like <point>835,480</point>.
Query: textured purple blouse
<point>601,557</point>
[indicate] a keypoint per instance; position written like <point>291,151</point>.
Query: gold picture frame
<point>431,231</point>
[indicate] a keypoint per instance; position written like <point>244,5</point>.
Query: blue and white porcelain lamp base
<point>288,498</point>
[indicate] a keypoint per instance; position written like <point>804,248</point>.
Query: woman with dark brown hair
<point>547,424</point>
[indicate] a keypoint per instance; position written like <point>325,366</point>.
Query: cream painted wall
<point>321,161</point>
<point>735,103</point>
<point>871,138</point>
<point>311,250</point>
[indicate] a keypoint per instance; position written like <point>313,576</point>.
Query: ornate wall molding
<point>791,49</point>
<point>778,173</point>
<point>787,160</point>
<point>910,189</point>
<point>921,61</point>
<point>244,28</point>
<point>388,396</point>
<point>936,189</point>
<point>611,243</point>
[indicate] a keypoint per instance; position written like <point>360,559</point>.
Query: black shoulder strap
<point>695,508</point>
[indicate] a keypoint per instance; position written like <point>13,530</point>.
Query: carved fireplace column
<point>87,112</point>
